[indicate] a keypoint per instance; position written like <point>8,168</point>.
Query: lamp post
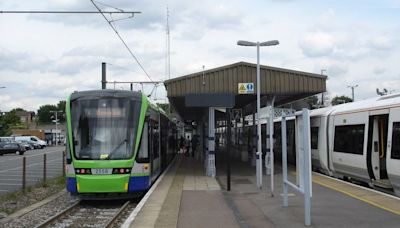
<point>259,150</point>
<point>352,90</point>
<point>56,122</point>
<point>322,94</point>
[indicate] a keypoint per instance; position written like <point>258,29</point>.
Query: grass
<point>15,201</point>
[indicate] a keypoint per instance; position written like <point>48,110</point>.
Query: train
<point>118,143</point>
<point>357,141</point>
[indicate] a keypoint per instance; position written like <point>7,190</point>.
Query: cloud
<point>379,70</point>
<point>317,44</point>
<point>381,43</point>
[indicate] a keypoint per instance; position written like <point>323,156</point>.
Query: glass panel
<point>349,139</point>
<point>314,138</point>
<point>104,128</point>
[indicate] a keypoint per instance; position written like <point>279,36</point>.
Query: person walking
<point>195,141</point>
<point>187,146</point>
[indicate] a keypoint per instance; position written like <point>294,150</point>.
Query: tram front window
<point>104,129</point>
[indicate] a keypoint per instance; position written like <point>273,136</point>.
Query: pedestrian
<point>194,144</point>
<point>187,146</point>
<point>181,144</point>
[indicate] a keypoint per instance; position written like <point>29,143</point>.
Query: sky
<point>44,58</point>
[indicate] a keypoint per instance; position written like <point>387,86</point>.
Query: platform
<point>185,197</point>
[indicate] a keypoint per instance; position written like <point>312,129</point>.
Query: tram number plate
<point>101,171</point>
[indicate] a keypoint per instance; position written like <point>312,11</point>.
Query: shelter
<point>196,96</point>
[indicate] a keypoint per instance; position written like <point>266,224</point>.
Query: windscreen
<point>104,128</point>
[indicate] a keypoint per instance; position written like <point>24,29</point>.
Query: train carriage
<point>118,143</point>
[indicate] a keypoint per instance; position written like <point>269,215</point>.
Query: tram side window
<point>396,141</point>
<point>314,138</point>
<point>349,139</point>
<point>156,140</point>
<point>143,154</point>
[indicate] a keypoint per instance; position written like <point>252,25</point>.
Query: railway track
<point>89,214</point>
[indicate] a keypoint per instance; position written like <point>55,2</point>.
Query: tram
<point>118,143</point>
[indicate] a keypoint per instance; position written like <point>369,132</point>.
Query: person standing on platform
<point>187,146</point>
<point>181,144</point>
<point>195,141</point>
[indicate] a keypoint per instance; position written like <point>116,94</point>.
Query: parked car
<point>33,139</point>
<point>11,148</point>
<point>26,145</point>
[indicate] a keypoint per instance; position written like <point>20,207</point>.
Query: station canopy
<point>235,86</point>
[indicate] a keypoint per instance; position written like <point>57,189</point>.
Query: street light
<point>56,122</point>
<point>259,150</point>
<point>352,90</point>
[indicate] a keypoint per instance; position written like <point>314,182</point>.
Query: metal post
<point>44,169</point>
<point>56,128</point>
<point>23,174</point>
<point>271,146</point>
<point>259,150</point>
<point>284,161</point>
<point>211,143</point>
<point>103,76</point>
<point>307,168</point>
<point>131,86</point>
<point>228,150</point>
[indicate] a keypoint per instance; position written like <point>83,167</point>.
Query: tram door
<point>154,147</point>
<point>377,147</point>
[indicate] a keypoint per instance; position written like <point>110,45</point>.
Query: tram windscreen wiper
<point>116,149</point>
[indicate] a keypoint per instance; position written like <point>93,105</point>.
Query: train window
<point>314,138</point>
<point>349,139</point>
<point>396,141</point>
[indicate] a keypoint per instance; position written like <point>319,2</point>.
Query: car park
<point>11,148</point>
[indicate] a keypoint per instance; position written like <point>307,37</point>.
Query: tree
<point>61,107</point>
<point>341,100</point>
<point>8,121</point>
<point>165,107</point>
<point>44,114</point>
<point>312,102</point>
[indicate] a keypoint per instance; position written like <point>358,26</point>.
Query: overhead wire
<point>123,41</point>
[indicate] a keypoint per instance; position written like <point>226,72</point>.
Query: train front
<point>102,139</point>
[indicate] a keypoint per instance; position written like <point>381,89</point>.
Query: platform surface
<point>185,197</point>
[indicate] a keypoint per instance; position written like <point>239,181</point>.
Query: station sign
<point>246,88</point>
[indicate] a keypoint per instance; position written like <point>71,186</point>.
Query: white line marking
<point>358,186</point>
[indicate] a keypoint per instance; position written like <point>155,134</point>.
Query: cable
<point>104,4</point>
<point>122,40</point>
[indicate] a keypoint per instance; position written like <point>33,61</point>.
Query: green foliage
<point>165,107</point>
<point>46,116</point>
<point>8,121</point>
<point>341,100</point>
<point>312,102</point>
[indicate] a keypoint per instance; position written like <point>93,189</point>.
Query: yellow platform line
<point>395,211</point>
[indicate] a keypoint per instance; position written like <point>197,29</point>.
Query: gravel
<point>40,214</point>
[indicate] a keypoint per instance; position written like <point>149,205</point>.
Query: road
<point>11,168</point>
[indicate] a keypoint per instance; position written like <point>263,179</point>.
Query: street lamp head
<point>246,43</point>
<point>270,43</point>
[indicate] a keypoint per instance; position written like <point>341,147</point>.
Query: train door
<point>377,143</point>
<point>393,149</point>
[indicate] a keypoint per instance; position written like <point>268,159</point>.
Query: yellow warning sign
<point>246,88</point>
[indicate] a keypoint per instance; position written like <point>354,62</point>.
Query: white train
<point>359,140</point>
